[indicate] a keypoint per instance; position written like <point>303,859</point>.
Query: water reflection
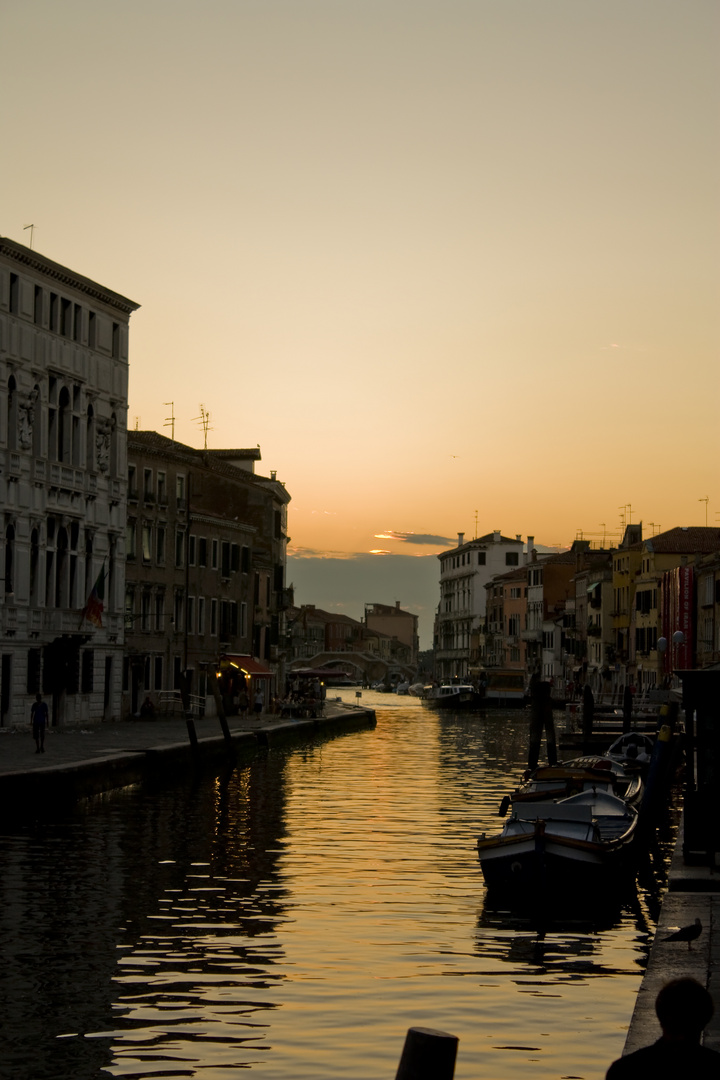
<point>296,916</point>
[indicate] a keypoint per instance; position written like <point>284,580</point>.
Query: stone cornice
<point>23,255</point>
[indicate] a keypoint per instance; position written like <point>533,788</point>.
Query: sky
<point>453,265</point>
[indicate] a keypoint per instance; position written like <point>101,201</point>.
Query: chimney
<point>397,604</point>
<point>496,536</point>
<point>461,539</point>
<point>518,536</point>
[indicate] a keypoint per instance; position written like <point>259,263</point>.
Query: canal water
<point>295,917</point>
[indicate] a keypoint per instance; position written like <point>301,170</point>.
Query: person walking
<point>39,720</point>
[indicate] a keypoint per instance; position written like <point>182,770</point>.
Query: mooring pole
<point>220,710</point>
<point>428,1055</point>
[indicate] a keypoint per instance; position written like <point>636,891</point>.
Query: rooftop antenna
<point>170,420</point>
<point>706,500</point>
<point>603,527</point>
<point>32,230</point>
<point>476,517</point>
<point>137,423</point>
<point>204,419</point>
<point>623,515</point>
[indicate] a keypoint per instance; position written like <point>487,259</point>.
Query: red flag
<point>94,607</point>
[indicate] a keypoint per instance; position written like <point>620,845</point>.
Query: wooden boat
<point>590,773</point>
<point>579,843</point>
<point>503,688</point>
<point>454,696</point>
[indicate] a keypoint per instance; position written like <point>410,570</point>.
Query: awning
<point>248,665</point>
<point>593,586</point>
<point>316,673</point>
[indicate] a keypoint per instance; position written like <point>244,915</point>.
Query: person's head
<point>38,697</point>
<point>683,1008</point>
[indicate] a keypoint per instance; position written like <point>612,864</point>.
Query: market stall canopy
<point>248,665</point>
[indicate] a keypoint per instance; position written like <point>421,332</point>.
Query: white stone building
<point>63,425</point>
<point>464,573</point>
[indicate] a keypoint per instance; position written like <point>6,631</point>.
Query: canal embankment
<point>80,762</point>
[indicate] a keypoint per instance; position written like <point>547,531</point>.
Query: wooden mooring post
<point>427,1055</point>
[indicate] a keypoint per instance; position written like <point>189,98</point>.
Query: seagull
<point>686,933</point>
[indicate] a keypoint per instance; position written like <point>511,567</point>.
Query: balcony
<point>531,635</point>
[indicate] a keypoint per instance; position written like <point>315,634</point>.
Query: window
<point>179,547</point>
<point>201,615</point>
<point>178,610</point>
<point>202,551</point>
<point>38,306</point>
<point>77,323</point>
<point>65,317</point>
<point>160,611</point>
<point>213,617</point>
<point>512,558</point>
<point>481,558</point>
<point>115,340</point>
<point>146,542</point>
<point>54,311</point>
<point>162,489</point>
<point>147,485</point>
<point>14,294</point>
<point>214,562</point>
<point>92,330</point>
<point>243,619</point>
<point>225,556</point>
<point>145,611</point>
<point>180,491</point>
<point>129,609</point>
<point>130,550</point>
<point>234,558</point>
<point>245,560</point>
<point>191,549</point>
<point>132,482</point>
<point>9,558</point>
<point>160,544</point>
<point>190,614</point>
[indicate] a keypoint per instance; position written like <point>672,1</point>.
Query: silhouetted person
<point>39,719</point>
<point>683,1008</point>
<point>541,717</point>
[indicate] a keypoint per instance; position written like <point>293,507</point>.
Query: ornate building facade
<point>63,423</point>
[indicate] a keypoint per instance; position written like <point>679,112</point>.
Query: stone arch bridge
<point>365,666</point>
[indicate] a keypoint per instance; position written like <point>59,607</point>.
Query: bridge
<point>366,667</point>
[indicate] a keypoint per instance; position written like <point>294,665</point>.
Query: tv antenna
<point>706,500</point>
<point>170,420</point>
<point>32,230</point>
<point>204,419</point>
<point>476,517</point>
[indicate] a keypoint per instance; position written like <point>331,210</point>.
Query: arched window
<point>12,404</point>
<point>34,563</point>
<point>64,446</point>
<point>61,557</point>
<point>90,440</point>
<point>9,558</point>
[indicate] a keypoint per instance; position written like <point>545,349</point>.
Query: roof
<point>152,442</point>
<point>690,540</point>
<point>25,255</point>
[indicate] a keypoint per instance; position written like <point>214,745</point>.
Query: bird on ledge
<point>686,933</point>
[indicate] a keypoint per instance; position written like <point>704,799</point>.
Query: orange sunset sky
<point>434,257</point>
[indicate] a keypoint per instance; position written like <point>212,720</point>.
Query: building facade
<point>63,422</point>
<point>205,577</point>
<point>464,573</point>
<point>394,622</point>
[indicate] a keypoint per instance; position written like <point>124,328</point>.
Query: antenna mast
<point>170,420</point>
<point>204,419</point>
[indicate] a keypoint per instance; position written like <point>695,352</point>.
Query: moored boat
<point>590,773</point>
<point>584,841</point>
<point>454,696</point>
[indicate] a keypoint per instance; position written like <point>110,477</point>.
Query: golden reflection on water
<point>296,916</point>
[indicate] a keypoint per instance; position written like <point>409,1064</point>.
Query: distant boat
<point>503,687</point>
<point>454,696</point>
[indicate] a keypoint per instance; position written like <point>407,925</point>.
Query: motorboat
<point>632,750</point>
<point>584,841</point>
<point>454,696</point>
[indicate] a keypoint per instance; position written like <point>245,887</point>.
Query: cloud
<point>380,551</point>
<point>414,538</point>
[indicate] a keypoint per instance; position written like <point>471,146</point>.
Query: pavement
<point>81,761</point>
<point>693,892</point>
